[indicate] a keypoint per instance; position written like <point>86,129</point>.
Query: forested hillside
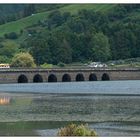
<point>10,12</point>
<point>74,33</point>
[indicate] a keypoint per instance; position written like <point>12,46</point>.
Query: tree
<point>117,13</point>
<point>123,44</point>
<point>23,60</point>
<point>11,35</point>
<point>60,50</point>
<point>65,53</point>
<point>29,10</point>
<point>9,49</point>
<point>101,47</point>
<point>40,50</point>
<point>55,19</point>
<point>4,59</point>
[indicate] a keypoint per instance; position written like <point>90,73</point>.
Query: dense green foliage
<point>85,36</point>
<point>64,36</point>
<point>76,130</point>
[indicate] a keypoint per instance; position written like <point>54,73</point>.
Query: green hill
<point>16,26</point>
<point>61,34</point>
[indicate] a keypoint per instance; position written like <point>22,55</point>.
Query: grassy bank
<point>18,25</point>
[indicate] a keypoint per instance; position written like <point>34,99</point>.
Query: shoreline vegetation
<point>76,130</point>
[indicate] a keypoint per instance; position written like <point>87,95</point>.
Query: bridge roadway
<point>66,75</point>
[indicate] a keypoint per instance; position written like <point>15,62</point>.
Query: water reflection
<point>5,100</point>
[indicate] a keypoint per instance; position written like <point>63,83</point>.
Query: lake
<point>111,108</point>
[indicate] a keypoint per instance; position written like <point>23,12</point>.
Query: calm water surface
<point>112,108</point>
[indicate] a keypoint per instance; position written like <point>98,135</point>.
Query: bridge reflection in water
<point>5,100</point>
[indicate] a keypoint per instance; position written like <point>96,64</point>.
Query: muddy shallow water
<point>41,113</point>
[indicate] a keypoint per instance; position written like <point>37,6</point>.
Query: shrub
<point>1,39</point>
<point>61,64</point>
<point>21,31</point>
<point>11,35</point>
<point>76,130</point>
<point>45,65</point>
<point>31,31</point>
<point>23,60</point>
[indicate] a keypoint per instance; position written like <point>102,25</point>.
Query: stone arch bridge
<point>66,75</point>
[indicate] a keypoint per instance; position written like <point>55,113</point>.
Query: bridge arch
<point>80,77</point>
<point>52,78</point>
<point>92,77</point>
<point>105,77</point>
<point>66,78</point>
<point>22,79</point>
<point>37,78</point>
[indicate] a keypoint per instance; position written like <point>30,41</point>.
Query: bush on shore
<point>76,130</point>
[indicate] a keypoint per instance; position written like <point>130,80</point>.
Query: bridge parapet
<point>71,69</point>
